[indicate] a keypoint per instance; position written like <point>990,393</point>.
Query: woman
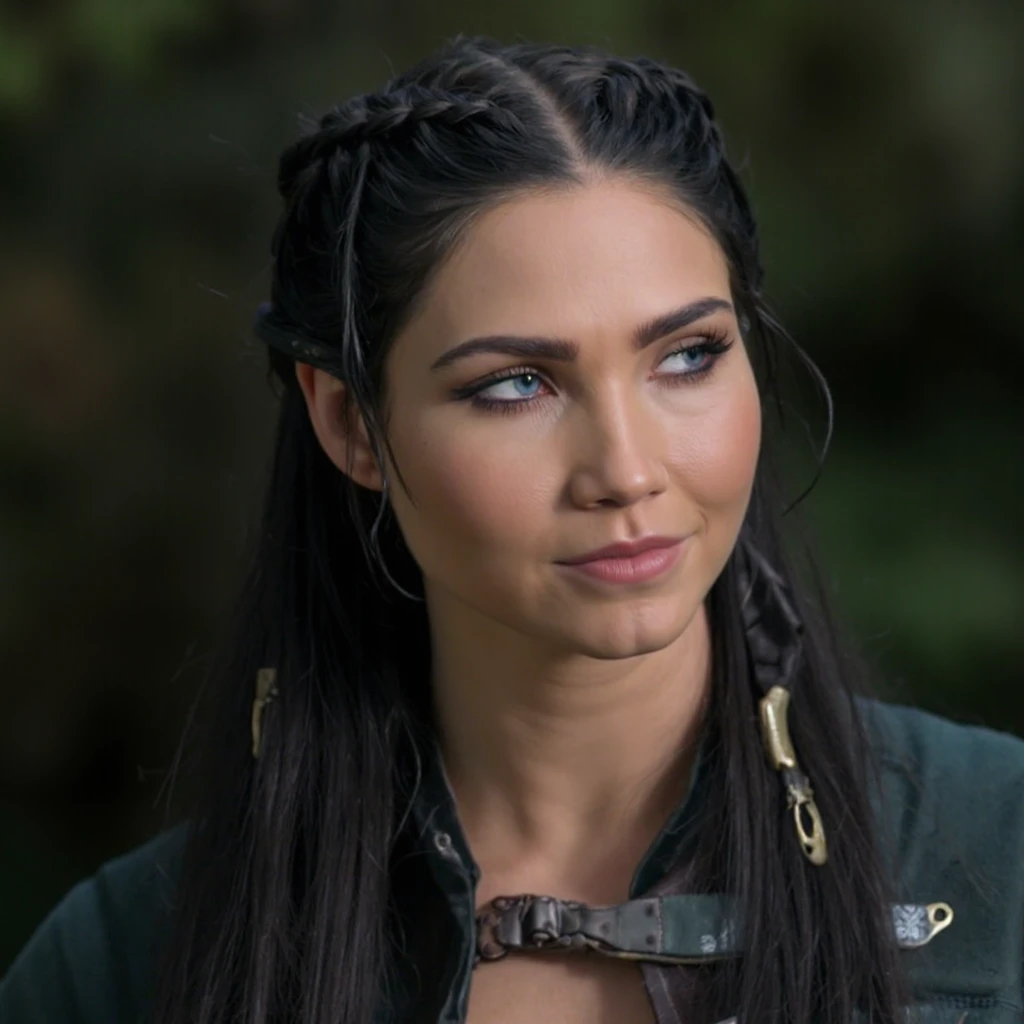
<point>521,629</point>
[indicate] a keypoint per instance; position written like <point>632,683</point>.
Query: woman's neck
<point>560,765</point>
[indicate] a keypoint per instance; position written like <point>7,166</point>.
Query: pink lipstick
<point>631,562</point>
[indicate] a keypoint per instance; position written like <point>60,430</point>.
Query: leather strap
<point>659,929</point>
<point>672,929</point>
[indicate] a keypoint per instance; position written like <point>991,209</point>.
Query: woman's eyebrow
<point>562,350</point>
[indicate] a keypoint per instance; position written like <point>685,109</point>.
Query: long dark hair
<point>283,903</point>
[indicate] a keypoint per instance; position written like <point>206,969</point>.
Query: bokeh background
<point>884,149</point>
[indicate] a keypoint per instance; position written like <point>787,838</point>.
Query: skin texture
<point>567,707</point>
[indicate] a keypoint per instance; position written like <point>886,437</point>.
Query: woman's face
<point>613,401</point>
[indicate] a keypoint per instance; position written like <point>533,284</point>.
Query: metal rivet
<point>603,928</point>
<point>443,841</point>
<point>649,910</point>
<point>651,939</point>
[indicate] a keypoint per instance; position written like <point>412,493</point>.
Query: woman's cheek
<point>473,499</point>
<point>715,457</point>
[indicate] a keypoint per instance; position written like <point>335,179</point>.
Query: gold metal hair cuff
<point>799,795</point>
<point>266,691</point>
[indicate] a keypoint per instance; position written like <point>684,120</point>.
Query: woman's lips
<point>645,565</point>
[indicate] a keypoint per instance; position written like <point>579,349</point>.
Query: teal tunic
<point>950,813</point>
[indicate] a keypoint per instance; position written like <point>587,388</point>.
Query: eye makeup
<point>707,350</point>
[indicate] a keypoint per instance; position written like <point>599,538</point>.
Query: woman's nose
<point>618,454</point>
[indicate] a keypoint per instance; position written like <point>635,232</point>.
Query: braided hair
<point>284,907</point>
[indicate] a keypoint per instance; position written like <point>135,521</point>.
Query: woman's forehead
<point>603,256</point>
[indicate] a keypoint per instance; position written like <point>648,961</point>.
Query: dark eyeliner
<point>714,344</point>
<point>469,390</point>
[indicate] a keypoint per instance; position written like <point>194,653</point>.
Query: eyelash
<point>713,345</point>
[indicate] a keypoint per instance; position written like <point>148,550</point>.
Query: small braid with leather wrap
<point>774,636</point>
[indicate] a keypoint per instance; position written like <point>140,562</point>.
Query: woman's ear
<point>342,433</point>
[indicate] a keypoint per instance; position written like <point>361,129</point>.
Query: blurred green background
<point>884,149</point>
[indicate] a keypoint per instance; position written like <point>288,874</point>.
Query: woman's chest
<point>559,989</point>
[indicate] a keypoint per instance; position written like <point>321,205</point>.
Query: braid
<point>667,112</point>
<point>382,113</point>
<point>671,87</point>
<point>774,632</point>
<point>371,117</point>
<point>770,620</point>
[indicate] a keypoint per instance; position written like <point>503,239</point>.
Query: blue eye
<point>523,385</point>
<point>689,360</point>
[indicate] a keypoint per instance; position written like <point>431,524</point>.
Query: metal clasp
<point>810,831</point>
<point>528,922</point>
<point>807,818</point>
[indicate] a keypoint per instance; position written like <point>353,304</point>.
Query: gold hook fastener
<point>266,691</point>
<point>774,707</point>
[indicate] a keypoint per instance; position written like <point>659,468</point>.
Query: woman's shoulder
<point>950,806</point>
<point>942,781</point>
<point>928,751</point>
<point>92,959</point>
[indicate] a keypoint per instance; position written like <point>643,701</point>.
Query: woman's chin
<point>627,638</point>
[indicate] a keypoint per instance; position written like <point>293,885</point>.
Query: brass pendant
<point>266,691</point>
<point>782,757</point>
